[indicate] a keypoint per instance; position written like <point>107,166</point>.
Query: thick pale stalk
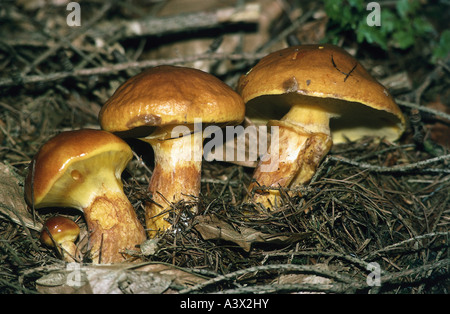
<point>113,227</point>
<point>302,141</point>
<point>176,177</point>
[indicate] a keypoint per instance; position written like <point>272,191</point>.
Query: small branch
<point>288,30</point>
<point>424,109</point>
<point>62,41</point>
<point>434,75</point>
<point>352,286</point>
<point>286,288</point>
<point>158,26</point>
<point>398,168</point>
<point>127,65</point>
<point>420,273</point>
<point>351,259</point>
<point>279,267</point>
<point>413,239</point>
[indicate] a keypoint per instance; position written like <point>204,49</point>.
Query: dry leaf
<point>105,279</point>
<point>114,279</point>
<point>211,227</point>
<point>179,276</point>
<point>12,202</point>
<point>306,279</point>
<point>439,131</point>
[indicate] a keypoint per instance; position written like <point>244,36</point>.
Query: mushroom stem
<point>176,177</point>
<point>303,141</point>
<point>113,225</point>
<point>68,251</point>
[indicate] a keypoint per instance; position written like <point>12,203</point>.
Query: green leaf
<point>402,7</point>
<point>442,50</point>
<point>358,4</point>
<point>400,27</point>
<point>388,21</point>
<point>421,25</point>
<point>372,35</point>
<point>407,7</point>
<point>403,39</point>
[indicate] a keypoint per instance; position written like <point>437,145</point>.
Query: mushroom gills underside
<point>84,180</point>
<point>349,120</point>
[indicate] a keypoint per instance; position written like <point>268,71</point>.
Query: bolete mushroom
<point>157,106</point>
<point>61,233</point>
<point>314,95</point>
<point>82,169</point>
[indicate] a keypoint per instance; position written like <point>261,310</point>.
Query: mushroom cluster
<point>313,95</point>
<point>161,106</point>
<point>82,169</point>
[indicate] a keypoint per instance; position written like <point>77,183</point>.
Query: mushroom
<point>157,106</point>
<point>82,169</point>
<point>313,95</point>
<point>61,233</point>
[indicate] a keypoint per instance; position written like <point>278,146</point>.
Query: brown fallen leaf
<point>212,228</point>
<point>439,131</point>
<point>74,278</point>
<point>12,202</point>
<point>179,276</point>
<point>307,279</point>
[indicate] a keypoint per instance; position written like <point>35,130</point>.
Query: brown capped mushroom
<point>155,106</point>
<point>61,233</point>
<point>316,95</point>
<point>82,169</point>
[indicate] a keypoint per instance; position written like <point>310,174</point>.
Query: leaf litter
<point>370,201</point>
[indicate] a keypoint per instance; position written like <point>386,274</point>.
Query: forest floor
<point>374,219</point>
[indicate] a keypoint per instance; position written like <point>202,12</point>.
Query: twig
<point>220,181</point>
<point>280,267</point>
<point>424,109</point>
<point>285,288</point>
<point>354,260</point>
<point>434,75</point>
<point>413,239</point>
<point>347,75</point>
<point>66,40</point>
<point>382,151</point>
<point>288,30</point>
<point>420,272</point>
<point>128,65</point>
<point>158,26</point>
<point>398,168</point>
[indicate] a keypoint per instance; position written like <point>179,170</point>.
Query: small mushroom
<point>155,106</point>
<point>82,169</point>
<point>61,233</point>
<point>316,95</point>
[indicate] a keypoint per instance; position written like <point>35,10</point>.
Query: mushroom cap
<point>69,168</point>
<point>61,229</point>
<point>327,76</point>
<point>171,95</point>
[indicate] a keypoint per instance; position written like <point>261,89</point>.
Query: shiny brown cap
<point>66,168</point>
<point>328,72</point>
<point>171,95</point>
<point>59,229</point>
